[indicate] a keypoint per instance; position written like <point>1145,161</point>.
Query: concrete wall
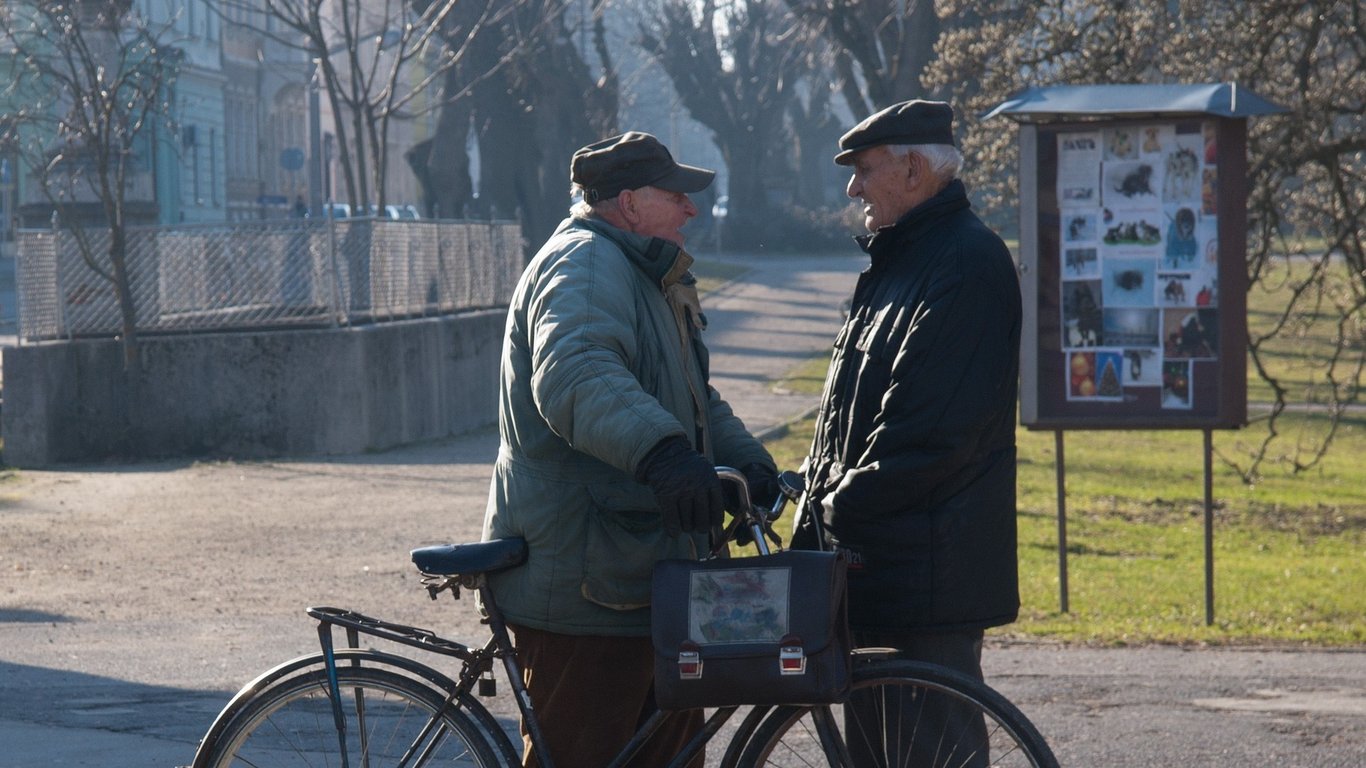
<point>252,395</point>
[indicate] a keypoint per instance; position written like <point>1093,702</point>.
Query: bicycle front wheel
<point>903,713</point>
<point>384,719</point>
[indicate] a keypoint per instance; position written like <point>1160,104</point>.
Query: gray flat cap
<point>910,122</point>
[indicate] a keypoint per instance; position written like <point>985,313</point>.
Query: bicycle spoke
<point>389,721</point>
<point>902,715</point>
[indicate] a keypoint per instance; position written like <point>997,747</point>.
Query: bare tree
<point>88,84</point>
<point>880,47</point>
<point>736,67</point>
<point>374,59</point>
<point>528,115</point>
<point>1306,172</point>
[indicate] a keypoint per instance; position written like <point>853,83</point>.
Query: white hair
<point>581,209</point>
<point>579,206</point>
<point>944,160</point>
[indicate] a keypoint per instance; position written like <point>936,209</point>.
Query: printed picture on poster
<point>1121,143</point>
<point>1131,185</point>
<point>1176,384</point>
<point>1079,158</point>
<point>1142,367</point>
<point>1081,375</point>
<point>1137,228</point>
<point>1081,262</point>
<point>1109,374</point>
<point>1131,327</point>
<point>1081,313</point>
<point>1183,244</point>
<point>1181,177</point>
<point>1188,289</point>
<point>1176,289</point>
<point>1096,375</point>
<point>1190,334</point>
<point>1157,139</point>
<point>1129,282</point>
<point>1208,293</point>
<point>1207,233</point>
<point>1079,226</point>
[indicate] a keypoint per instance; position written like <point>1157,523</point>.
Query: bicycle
<point>354,706</point>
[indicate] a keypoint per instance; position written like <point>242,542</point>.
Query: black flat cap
<point>631,161</point>
<point>910,122</point>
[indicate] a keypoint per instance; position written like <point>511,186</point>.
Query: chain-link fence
<point>265,274</point>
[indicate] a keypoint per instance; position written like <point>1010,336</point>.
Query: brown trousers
<point>590,694</point>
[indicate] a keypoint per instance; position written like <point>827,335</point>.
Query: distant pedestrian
<point>300,207</point>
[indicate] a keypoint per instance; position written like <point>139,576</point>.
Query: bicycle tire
<point>391,720</point>
<point>836,735</point>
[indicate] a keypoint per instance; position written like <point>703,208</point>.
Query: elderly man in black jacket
<point>912,468</point>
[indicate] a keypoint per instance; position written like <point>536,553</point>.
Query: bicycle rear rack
<point>416,637</point>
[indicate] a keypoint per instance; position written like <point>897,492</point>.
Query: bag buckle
<point>689,662</point>
<point>791,656</point>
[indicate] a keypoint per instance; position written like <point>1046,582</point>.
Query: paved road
<point>135,599</point>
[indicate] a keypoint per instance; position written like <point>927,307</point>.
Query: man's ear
<point>626,205</point>
<point>915,170</point>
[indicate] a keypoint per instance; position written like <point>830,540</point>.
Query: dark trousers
<point>590,694</point>
<point>878,722</point>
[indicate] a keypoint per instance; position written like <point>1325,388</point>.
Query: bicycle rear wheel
<point>903,713</point>
<point>387,720</point>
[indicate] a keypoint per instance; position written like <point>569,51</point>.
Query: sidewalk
<point>776,316</point>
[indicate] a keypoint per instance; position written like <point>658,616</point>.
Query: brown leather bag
<point>755,630</point>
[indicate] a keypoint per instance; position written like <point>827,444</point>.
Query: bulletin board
<point>1133,242</point>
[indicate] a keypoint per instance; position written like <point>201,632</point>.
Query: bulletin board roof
<point>1052,102</point>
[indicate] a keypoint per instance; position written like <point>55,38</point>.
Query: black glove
<point>685,486</point>
<point>763,484</point>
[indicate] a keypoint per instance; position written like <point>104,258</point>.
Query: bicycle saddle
<point>474,558</point>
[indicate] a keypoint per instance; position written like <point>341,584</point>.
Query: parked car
<point>394,212</point>
<point>337,210</point>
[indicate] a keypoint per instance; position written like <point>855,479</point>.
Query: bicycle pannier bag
<point>753,630</point>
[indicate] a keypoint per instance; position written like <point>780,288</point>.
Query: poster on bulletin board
<point>1135,307</point>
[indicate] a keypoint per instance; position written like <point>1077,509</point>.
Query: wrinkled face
<point>658,213</point>
<point>886,183</point>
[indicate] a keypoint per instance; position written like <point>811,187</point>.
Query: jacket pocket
<point>625,538</point>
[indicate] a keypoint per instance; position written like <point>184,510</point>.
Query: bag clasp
<point>689,662</point>
<point>791,656</point>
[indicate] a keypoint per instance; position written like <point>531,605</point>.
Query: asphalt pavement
<point>135,599</point>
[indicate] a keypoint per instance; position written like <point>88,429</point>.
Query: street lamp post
<point>315,142</point>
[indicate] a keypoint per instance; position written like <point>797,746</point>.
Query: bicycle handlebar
<point>759,521</point>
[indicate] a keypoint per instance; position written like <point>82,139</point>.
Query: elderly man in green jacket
<point>609,434</point>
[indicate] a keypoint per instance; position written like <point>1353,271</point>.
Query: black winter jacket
<point>913,460</point>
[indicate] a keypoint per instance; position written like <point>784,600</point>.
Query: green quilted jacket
<point>602,359</point>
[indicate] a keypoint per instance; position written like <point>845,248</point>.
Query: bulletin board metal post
<point>1133,222</point>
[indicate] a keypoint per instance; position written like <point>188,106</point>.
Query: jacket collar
<point>662,261</point>
<point>953,197</point>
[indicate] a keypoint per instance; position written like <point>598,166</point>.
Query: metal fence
<point>266,275</point>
